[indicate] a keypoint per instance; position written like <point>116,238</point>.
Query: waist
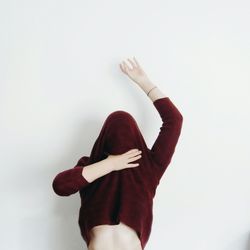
<point>118,236</point>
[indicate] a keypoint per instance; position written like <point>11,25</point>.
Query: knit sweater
<point>125,195</point>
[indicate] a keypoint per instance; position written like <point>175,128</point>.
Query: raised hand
<point>122,161</point>
<point>135,73</point>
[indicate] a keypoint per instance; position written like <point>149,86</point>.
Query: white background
<point>59,80</point>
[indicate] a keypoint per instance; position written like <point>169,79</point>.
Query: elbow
<point>178,124</point>
<point>58,188</point>
<point>179,120</point>
<point>180,117</point>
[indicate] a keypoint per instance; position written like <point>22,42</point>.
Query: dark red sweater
<point>125,195</point>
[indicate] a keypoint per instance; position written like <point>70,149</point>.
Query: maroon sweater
<point>125,195</point>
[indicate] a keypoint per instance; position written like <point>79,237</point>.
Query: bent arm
<point>166,141</point>
<point>73,180</point>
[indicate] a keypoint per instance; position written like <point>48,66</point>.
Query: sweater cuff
<point>161,99</point>
<point>79,178</point>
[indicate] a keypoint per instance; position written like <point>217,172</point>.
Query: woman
<point>118,181</point>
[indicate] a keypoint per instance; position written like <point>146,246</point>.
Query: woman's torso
<point>131,192</point>
<point>113,237</point>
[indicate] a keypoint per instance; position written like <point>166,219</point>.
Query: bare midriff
<point>114,237</point>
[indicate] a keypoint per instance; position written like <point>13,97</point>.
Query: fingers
<point>122,69</point>
<point>133,165</point>
<point>134,154</point>
<point>125,67</point>
<point>137,64</point>
<point>133,64</point>
<point>134,158</point>
<point>131,151</point>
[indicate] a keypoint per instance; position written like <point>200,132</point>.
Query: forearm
<point>154,93</point>
<point>97,170</point>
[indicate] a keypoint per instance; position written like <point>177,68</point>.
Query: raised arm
<point>165,143</point>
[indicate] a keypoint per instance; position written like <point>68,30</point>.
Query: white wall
<point>59,62</point>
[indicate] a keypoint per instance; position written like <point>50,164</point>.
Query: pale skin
<point>122,237</point>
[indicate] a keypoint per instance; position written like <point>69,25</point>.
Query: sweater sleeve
<point>165,143</point>
<point>71,180</point>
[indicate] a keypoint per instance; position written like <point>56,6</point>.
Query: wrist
<point>146,83</point>
<point>109,165</point>
<point>147,86</point>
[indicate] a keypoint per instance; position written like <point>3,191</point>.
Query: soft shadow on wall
<point>248,243</point>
